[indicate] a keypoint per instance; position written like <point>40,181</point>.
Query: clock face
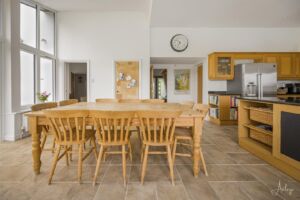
<point>179,42</point>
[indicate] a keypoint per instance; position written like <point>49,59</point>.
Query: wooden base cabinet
<point>278,146</point>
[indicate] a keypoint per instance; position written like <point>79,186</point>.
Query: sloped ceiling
<point>225,13</point>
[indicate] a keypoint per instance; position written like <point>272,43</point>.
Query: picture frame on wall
<point>182,81</point>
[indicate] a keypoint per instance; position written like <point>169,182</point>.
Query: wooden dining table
<point>188,118</point>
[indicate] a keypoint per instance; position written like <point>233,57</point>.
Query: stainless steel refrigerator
<point>254,79</point>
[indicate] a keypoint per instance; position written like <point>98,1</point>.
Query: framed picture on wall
<point>182,81</point>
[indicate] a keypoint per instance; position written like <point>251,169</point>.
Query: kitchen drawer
<point>262,115</point>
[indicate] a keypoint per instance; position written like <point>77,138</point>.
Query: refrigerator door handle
<point>261,86</point>
<point>258,85</point>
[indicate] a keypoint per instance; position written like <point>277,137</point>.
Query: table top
<point>187,111</point>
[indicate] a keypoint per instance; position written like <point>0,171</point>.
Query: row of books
<point>214,100</point>
<point>234,102</point>
<point>214,112</point>
<point>233,114</point>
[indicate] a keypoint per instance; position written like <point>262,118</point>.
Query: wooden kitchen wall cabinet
<point>221,64</point>
<point>221,67</point>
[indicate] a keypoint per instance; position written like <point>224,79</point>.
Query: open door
<point>200,83</point>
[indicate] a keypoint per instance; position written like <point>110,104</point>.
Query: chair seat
<point>183,133</point>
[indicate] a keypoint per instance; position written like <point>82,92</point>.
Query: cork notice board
<point>127,79</point>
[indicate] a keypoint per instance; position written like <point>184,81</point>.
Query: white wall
<point>171,96</point>
<point>203,41</point>
<point>102,38</point>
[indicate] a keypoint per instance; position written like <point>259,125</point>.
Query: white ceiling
<point>196,13</point>
<point>225,13</point>
<point>176,60</point>
<point>97,5</point>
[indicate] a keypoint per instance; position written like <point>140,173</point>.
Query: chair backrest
<point>112,126</point>
<point>154,101</point>
<point>158,126</point>
<point>67,102</point>
<point>68,126</point>
<point>42,106</point>
<point>202,108</point>
<point>130,101</point>
<point>107,100</point>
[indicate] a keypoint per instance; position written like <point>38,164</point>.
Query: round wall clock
<point>179,42</point>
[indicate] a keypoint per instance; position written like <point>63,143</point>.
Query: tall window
<point>46,77</point>
<point>27,78</point>
<point>28,24</point>
<point>37,54</point>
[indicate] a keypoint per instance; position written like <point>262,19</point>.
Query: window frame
<point>37,52</point>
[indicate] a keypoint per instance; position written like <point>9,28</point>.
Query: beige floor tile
<point>154,173</point>
<point>114,174</point>
<point>136,191</point>
<point>245,158</point>
<point>257,191</point>
<point>110,191</point>
<point>229,173</point>
<point>14,173</point>
<point>229,190</point>
<point>166,191</point>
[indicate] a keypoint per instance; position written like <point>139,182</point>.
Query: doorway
<point>76,77</point>
<point>159,82</point>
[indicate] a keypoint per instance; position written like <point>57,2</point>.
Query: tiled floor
<point>233,174</point>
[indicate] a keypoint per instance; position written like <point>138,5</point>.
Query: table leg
<point>196,146</point>
<point>36,143</point>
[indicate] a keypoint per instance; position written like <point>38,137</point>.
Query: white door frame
<point>66,72</point>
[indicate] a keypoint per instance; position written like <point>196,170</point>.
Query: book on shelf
<point>233,114</point>
<point>234,102</point>
<point>214,112</point>
<point>214,100</point>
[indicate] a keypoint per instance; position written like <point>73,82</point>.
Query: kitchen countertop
<point>223,93</point>
<point>289,101</point>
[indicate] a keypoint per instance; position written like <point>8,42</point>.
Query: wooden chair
<point>185,134</point>
<point>113,129</point>
<point>69,128</point>
<point>67,102</point>
<point>45,129</point>
<point>154,101</point>
<point>157,130</point>
<point>107,100</point>
<point>130,101</point>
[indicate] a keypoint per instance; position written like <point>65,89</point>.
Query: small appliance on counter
<point>290,88</point>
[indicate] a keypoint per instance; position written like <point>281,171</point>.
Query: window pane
<point>27,78</point>
<point>46,77</point>
<point>47,31</point>
<point>28,25</point>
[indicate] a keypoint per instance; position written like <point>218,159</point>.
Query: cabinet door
<point>224,67</point>
<point>297,65</point>
<point>285,66</point>
<point>271,58</point>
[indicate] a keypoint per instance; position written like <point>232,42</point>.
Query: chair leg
<point>43,141</point>
<point>130,151</point>
<point>53,145</point>
<point>55,159</point>
<point>203,162</point>
<point>124,163</point>
<point>67,155</point>
<point>98,164</point>
<point>174,150</point>
<point>144,166</point>
<point>80,162</point>
<point>71,149</point>
<point>170,164</point>
<point>94,147</point>
<point>142,152</point>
